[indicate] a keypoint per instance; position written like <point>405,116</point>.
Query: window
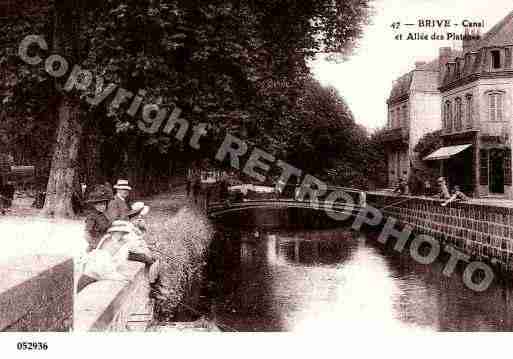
<point>458,115</point>
<point>448,116</point>
<point>469,111</point>
<point>496,59</point>
<point>405,117</point>
<point>495,102</point>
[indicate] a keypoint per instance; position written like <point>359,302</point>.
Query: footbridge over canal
<point>482,231</point>
<point>278,210</point>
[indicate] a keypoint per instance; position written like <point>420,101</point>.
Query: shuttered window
<point>498,98</point>
<point>448,115</point>
<point>404,123</point>
<point>495,103</point>
<point>469,112</point>
<point>483,167</point>
<point>458,124</point>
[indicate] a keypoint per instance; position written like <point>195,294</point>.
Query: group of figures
<point>205,193</point>
<point>116,234</point>
<point>442,193</point>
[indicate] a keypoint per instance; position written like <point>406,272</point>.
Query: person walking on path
<point>224,191</point>
<point>196,189</point>
<point>118,208</point>
<point>188,185</point>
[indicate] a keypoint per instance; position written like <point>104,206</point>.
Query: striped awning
<point>446,152</point>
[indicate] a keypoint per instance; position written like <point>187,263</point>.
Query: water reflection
<point>334,280</point>
<point>309,249</point>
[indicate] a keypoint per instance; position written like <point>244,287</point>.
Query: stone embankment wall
<point>36,294</point>
<point>481,231</point>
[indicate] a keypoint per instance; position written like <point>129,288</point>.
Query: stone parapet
<point>483,231</point>
<point>36,294</point>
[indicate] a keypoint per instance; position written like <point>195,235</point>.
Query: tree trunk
<point>65,166</point>
<point>92,142</point>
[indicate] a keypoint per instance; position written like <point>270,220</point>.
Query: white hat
<point>138,208</point>
<point>122,184</point>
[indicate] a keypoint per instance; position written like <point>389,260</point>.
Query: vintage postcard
<point>172,168</point>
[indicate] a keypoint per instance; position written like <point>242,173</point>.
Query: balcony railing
<point>460,129</point>
<point>399,134</point>
<point>494,129</point>
<point>486,128</point>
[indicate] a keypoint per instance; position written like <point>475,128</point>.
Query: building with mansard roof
<point>476,92</point>
<point>414,109</point>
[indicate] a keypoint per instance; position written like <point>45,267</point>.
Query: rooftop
<point>498,36</point>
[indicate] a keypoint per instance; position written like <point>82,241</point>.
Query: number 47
<point>395,25</point>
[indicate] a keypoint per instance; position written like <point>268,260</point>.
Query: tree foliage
<point>217,60</point>
<point>321,135</point>
<point>376,163</point>
<point>429,143</point>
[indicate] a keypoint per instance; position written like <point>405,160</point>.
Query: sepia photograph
<point>199,169</point>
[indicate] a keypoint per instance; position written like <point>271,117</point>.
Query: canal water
<point>326,280</point>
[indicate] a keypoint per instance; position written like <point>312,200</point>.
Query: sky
<point>365,79</point>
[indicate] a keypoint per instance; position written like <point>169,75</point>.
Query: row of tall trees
<point>218,60</point>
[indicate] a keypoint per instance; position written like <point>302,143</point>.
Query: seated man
<point>402,187</point>
<point>443,190</point>
<point>456,195</point>
<point>427,188</point>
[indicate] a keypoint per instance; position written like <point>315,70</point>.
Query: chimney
<point>470,38</point>
<point>467,63</point>
<point>460,66</point>
<point>444,55</point>
<point>451,70</point>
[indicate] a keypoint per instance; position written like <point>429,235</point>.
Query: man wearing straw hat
<point>118,208</point>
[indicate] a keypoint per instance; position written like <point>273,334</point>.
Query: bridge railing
<point>288,193</point>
